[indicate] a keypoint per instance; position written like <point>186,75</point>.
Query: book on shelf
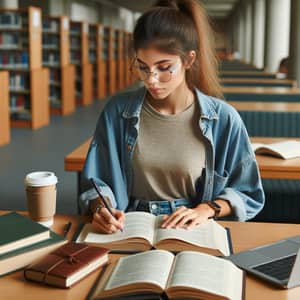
<point>285,149</point>
<point>19,231</point>
<point>20,258</point>
<point>142,231</point>
<point>66,265</point>
<point>187,275</point>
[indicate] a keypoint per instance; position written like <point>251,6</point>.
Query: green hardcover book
<point>20,258</point>
<point>18,231</point>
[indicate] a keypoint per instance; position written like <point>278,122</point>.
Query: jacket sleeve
<point>236,176</point>
<point>103,163</point>
<point>92,169</point>
<point>244,191</point>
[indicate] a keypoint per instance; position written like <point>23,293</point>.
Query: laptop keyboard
<point>279,269</point>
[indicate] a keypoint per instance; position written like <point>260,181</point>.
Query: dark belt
<point>160,206</point>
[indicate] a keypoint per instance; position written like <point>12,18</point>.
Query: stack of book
<point>23,240</point>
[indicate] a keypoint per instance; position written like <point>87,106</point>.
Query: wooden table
<point>273,167</point>
<point>267,81</point>
<point>244,235</point>
<point>74,161</point>
<point>265,106</point>
<point>260,90</point>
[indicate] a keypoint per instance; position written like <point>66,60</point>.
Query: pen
<point>67,228</point>
<point>97,188</point>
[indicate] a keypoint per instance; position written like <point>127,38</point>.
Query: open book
<point>188,275</point>
<point>142,231</point>
<point>285,149</point>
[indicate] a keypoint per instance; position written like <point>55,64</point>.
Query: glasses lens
<point>164,76</point>
<point>139,72</point>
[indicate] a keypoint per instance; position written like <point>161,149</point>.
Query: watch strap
<point>216,207</point>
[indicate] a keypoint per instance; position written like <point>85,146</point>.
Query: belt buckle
<point>153,206</point>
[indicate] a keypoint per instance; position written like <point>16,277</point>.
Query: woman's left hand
<point>188,218</point>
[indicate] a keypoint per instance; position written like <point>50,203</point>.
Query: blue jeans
<point>159,207</point>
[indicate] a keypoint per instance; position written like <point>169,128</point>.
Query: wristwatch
<point>216,207</point>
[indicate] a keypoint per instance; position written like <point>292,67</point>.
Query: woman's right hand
<point>104,222</point>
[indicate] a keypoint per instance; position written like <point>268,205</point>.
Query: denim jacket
<point>231,171</point>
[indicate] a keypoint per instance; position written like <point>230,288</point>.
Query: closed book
<point>19,258</point>
<point>67,265</point>
<point>18,231</point>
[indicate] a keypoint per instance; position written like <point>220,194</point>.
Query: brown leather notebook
<point>67,265</point>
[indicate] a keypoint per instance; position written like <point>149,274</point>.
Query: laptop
<point>277,263</point>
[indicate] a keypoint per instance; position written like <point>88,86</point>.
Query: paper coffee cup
<point>41,196</point>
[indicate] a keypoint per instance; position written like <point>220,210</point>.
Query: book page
<point>209,235</point>
<point>150,266</point>
<point>285,149</point>
<point>207,273</point>
<point>255,146</point>
<point>137,224</point>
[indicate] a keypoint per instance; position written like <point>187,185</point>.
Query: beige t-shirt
<point>169,155</point>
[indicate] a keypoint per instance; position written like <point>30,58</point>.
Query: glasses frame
<point>170,69</point>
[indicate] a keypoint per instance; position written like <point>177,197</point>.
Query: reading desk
<point>13,286</point>
<point>273,167</point>
<point>269,119</point>
<point>246,74</point>
<point>265,94</point>
<point>252,82</point>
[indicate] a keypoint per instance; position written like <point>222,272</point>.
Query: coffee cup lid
<point>40,178</point>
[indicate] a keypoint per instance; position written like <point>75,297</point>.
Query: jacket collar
<point>136,98</point>
<point>134,103</point>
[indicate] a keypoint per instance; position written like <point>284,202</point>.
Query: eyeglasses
<point>142,72</point>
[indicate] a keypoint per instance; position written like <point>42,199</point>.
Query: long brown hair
<point>177,27</point>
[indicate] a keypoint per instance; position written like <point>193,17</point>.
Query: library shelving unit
<point>126,60</point>
<point>97,59</point>
<point>21,55</point>
<point>93,56</point>
<point>119,50</point>
<point>128,56</point>
<point>105,55</point>
<point>4,109</point>
<point>79,48</point>
<point>56,57</point>
<point>109,39</point>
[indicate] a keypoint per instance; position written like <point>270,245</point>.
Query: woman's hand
<point>104,222</point>
<point>188,218</point>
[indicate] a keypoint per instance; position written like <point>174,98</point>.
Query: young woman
<point>172,147</point>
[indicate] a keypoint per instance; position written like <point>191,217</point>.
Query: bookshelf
<point>101,64</point>
<point>21,55</point>
<point>4,109</point>
<point>110,55</point>
<point>56,57</point>
<point>98,57</point>
<point>128,56</point>
<point>119,37</point>
<point>79,49</point>
<point>105,55</point>
<point>93,56</point>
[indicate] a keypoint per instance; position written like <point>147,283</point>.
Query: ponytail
<point>177,27</point>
